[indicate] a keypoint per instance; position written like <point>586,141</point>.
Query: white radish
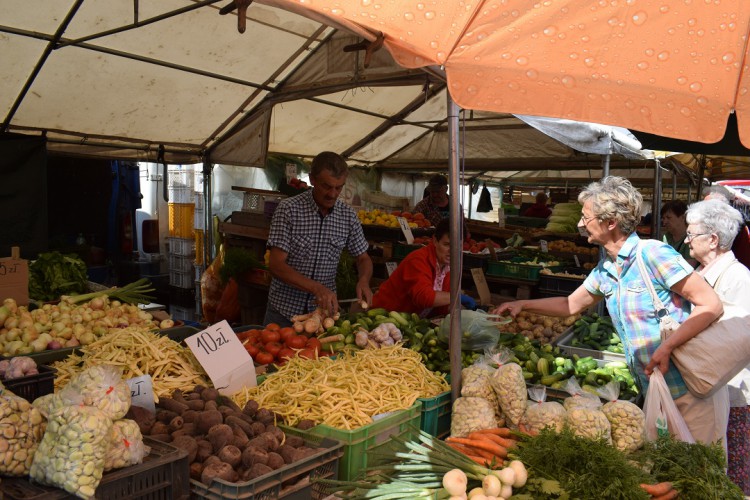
<point>477,494</point>
<point>455,482</point>
<point>491,485</point>
<point>506,491</point>
<point>521,473</point>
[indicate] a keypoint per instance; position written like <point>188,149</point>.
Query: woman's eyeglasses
<point>587,219</point>
<point>689,236</point>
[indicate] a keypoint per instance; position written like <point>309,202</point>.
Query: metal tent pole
<point>656,219</point>
<point>456,223</point>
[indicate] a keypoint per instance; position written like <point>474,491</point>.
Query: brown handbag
<point>714,356</point>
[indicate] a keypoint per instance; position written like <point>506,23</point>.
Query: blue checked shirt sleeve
<point>279,235</point>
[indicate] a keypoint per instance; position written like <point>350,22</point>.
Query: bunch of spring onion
<point>132,293</point>
<point>411,470</point>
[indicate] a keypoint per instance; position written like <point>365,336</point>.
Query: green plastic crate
<point>516,270</point>
<point>401,250</point>
<point>436,415</point>
<point>358,443</point>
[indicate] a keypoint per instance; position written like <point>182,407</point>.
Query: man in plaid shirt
<point>308,233</point>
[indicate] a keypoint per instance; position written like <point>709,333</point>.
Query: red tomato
<point>252,350</point>
<point>307,354</point>
<point>264,358</point>
<point>273,327</point>
<point>273,348</point>
<point>296,342</point>
<point>267,336</point>
<point>314,344</point>
<point>285,353</point>
<point>286,332</point>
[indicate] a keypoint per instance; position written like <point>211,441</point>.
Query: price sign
<point>481,283</point>
<point>543,246</point>
<point>224,358</point>
<point>390,267</point>
<point>406,230</point>
<point>142,392</point>
<point>491,247</point>
<point>291,171</point>
<point>578,262</point>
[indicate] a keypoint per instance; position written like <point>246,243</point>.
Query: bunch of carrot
<point>661,491</point>
<point>487,447</point>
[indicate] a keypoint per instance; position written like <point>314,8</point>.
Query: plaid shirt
<point>313,243</point>
<point>631,307</point>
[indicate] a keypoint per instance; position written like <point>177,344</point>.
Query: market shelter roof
<point>672,69</point>
<point>100,79</point>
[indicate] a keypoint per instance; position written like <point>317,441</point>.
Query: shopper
<point>712,226</point>
<point>539,208</point>
<point>435,206</point>
<point>611,210</point>
<point>308,233</point>
<point>673,221</point>
<point>421,282</point>
<point>741,244</point>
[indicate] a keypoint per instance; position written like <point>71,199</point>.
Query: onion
<point>55,344</point>
<point>455,482</point>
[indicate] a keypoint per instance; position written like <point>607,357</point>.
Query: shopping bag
<point>662,416</point>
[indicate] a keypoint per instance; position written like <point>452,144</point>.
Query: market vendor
<point>611,210</point>
<point>308,233</point>
<point>539,208</point>
<point>435,206</point>
<point>421,282</point>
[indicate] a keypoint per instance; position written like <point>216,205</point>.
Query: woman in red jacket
<point>421,282</point>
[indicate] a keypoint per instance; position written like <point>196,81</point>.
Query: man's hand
<point>364,293</point>
<point>660,359</point>
<point>327,300</point>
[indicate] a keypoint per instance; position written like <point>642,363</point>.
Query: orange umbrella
<point>668,67</point>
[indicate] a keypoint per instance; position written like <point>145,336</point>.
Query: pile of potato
<point>223,441</point>
<point>539,327</point>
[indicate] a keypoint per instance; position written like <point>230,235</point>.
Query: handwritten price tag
<point>224,358</point>
<point>390,267</point>
<point>481,284</point>
<point>142,392</point>
<point>406,230</point>
<point>543,246</point>
<point>578,262</point>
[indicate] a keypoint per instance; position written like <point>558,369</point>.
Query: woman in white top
<point>712,227</point>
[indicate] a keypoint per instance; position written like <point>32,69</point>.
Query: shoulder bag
<point>714,356</point>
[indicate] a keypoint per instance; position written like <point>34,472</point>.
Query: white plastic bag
<point>510,387</point>
<point>627,420</point>
<point>470,415</point>
<point>662,415</point>
<point>578,397</point>
<point>541,413</point>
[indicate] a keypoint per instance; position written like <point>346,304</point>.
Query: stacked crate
<point>181,189</point>
<point>199,227</point>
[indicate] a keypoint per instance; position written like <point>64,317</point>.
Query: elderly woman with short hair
<point>712,227</point>
<point>611,209</point>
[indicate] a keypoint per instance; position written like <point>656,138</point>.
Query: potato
<point>275,461</point>
<point>221,470</point>
<point>287,453</point>
<point>252,455</point>
<point>204,450</point>
<point>258,470</point>
<point>220,435</point>
<point>264,416</point>
<point>209,394</point>
<point>231,455</point>
<point>251,408</point>
<point>196,468</point>
<point>187,443</point>
<point>207,419</point>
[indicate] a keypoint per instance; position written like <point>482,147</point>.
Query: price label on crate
<point>224,358</point>
<point>142,392</point>
<point>406,230</point>
<point>543,246</point>
<point>578,262</point>
<point>390,267</point>
<point>481,283</point>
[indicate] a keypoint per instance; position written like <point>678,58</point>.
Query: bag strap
<point>721,275</point>
<point>659,308</point>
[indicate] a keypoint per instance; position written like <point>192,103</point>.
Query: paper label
<point>224,358</point>
<point>543,246</point>
<point>491,248</point>
<point>578,262</point>
<point>390,267</point>
<point>481,284</point>
<point>291,171</point>
<point>406,230</point>
<point>142,392</point>
<point>14,280</point>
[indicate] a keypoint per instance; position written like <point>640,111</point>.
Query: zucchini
<point>551,379</point>
<point>542,367</point>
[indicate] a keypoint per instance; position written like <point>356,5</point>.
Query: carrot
<point>658,489</point>
<point>460,448</point>
<point>498,431</point>
<point>505,443</point>
<point>331,338</point>
<point>670,495</point>
<point>493,448</point>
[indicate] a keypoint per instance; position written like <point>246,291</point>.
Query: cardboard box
<point>14,278</point>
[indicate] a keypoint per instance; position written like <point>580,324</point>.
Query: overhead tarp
<point>119,79</point>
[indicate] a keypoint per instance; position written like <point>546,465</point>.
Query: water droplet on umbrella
<point>702,101</point>
<point>645,111</point>
<point>692,21</point>
<point>433,45</point>
<point>663,56</point>
<point>568,81</point>
<point>441,56</point>
<point>643,65</point>
<point>639,18</point>
<point>685,111</point>
<point>532,74</point>
<point>649,52</point>
<point>681,80</point>
<point>472,89</point>
<point>550,30</point>
<point>522,61</point>
<point>606,96</point>
<point>629,104</point>
<point>664,9</point>
<point>513,85</point>
<point>409,16</point>
<point>696,87</point>
<point>337,12</point>
<point>589,61</point>
<point>727,58</point>
<point>366,3</point>
<point>429,15</point>
<point>420,6</point>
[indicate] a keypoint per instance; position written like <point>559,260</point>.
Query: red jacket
<point>537,210</point>
<point>410,287</point>
<point>741,246</point>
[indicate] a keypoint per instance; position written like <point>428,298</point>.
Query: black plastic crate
<point>472,260</point>
<point>31,387</point>
<point>561,284</point>
<point>163,475</point>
